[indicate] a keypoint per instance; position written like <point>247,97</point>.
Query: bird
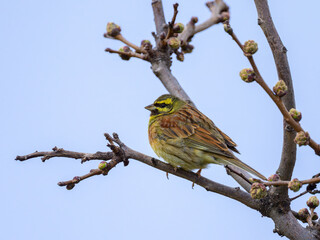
<point>184,137</point>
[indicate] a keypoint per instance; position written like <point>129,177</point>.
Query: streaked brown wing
<point>231,144</point>
<point>206,123</point>
<point>206,141</point>
<point>194,135</point>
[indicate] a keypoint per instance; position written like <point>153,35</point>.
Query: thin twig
<point>284,183</point>
<point>303,193</point>
<point>240,174</point>
<point>130,54</point>
<point>60,152</point>
<point>300,195</point>
<point>171,24</point>
<point>216,7</point>
<point>277,100</point>
<point>121,38</point>
<point>71,183</point>
<point>130,44</point>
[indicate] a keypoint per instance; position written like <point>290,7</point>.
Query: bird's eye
<point>160,105</point>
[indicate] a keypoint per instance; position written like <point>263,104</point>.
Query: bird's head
<point>165,104</point>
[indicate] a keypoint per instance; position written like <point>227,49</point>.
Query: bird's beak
<point>150,107</point>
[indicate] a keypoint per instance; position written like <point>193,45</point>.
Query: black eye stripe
<point>161,105</point>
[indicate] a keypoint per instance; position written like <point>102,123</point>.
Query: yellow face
<point>165,104</point>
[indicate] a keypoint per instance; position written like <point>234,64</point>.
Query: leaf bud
<point>258,190</point>
<point>124,49</point>
<point>247,75</point>
<point>295,185</point>
<point>174,43</point>
<point>102,165</point>
<point>295,114</point>
<point>302,138</point>
<point>315,216</point>
<point>280,89</point>
<point>180,56</point>
<point>313,202</point>
<point>178,28</point>
<point>250,47</point>
<point>145,43</point>
<point>274,178</point>
<point>70,186</point>
<point>76,179</point>
<point>113,29</point>
<point>303,214</point>
<point>188,48</point>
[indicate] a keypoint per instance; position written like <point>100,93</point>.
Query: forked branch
<point>121,153</point>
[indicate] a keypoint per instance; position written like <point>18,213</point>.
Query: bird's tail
<point>236,162</point>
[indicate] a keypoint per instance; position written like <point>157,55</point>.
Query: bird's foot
<point>198,176</point>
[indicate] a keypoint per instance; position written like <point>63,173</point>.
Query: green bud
<point>124,49</point>
<point>315,216</point>
<point>174,43</point>
<point>180,56</point>
<point>76,179</point>
<point>313,202</point>
<point>295,185</point>
<point>258,190</point>
<point>280,89</point>
<point>178,28</point>
<point>102,165</point>
<point>303,214</point>
<point>145,43</point>
<point>188,48</point>
<point>113,29</point>
<point>250,47</point>
<point>247,75</point>
<point>70,186</point>
<point>302,138</point>
<point>227,28</point>
<point>274,178</point>
<point>296,115</point>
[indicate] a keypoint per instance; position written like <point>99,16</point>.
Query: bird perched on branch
<point>186,138</point>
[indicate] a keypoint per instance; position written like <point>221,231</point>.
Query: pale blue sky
<point>59,88</point>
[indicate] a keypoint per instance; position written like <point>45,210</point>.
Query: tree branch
<point>128,153</point>
<point>159,18</point>
<point>129,54</point>
<point>161,69</point>
<point>287,225</point>
<point>216,7</point>
<point>289,148</point>
<point>60,152</point>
